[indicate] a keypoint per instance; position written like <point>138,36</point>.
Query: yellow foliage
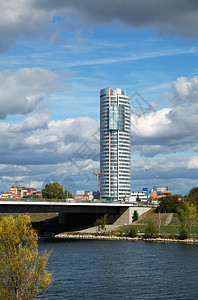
<point>188,215</point>
<point>22,271</point>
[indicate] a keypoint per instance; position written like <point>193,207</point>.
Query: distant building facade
<point>115,145</point>
<point>159,191</point>
<point>19,192</point>
<point>84,196</point>
<point>138,197</point>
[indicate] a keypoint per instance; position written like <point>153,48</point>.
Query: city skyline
<point>55,58</point>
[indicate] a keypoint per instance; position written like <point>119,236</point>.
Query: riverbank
<point>118,238</point>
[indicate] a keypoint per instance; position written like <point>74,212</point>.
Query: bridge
<point>71,212</point>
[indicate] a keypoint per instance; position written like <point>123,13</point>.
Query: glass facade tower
<point>115,145</point>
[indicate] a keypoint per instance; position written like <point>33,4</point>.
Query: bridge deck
<point>61,207</point>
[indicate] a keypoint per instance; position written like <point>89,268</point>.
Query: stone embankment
<point>113,237</point>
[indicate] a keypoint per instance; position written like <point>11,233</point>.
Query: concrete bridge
<point>76,213</point>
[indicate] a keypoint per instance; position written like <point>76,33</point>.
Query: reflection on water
<point>94,269</point>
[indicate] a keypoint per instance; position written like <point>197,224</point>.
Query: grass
<point>143,220</point>
<point>141,224</point>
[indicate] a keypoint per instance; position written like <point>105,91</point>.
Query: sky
<point>55,56</point>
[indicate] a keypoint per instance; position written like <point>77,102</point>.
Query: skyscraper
<point>115,145</point>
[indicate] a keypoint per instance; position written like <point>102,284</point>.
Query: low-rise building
<point>17,192</point>
<point>159,191</point>
<point>137,197</point>
<point>84,196</point>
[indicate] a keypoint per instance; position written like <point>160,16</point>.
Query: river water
<point>96,269</point>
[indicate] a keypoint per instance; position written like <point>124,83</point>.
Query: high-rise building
<point>115,145</point>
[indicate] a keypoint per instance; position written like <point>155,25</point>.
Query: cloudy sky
<point>57,55</point>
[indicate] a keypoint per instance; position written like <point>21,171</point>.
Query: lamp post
<point>29,171</point>
<point>15,188</point>
<point>156,177</point>
<point>146,169</point>
<point>74,174</point>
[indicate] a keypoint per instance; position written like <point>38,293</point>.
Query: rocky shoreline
<point>113,237</point>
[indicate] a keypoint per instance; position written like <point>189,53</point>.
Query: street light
<point>156,177</point>
<point>29,171</point>
<point>74,174</point>
<point>146,169</point>
<point>15,188</point>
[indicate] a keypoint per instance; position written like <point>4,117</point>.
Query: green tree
<point>193,196</point>
<point>135,216</point>
<point>101,223</point>
<point>23,273</point>
<point>53,191</point>
<point>169,203</point>
<point>188,215</point>
<point>151,230</point>
<point>183,232</point>
<point>67,194</point>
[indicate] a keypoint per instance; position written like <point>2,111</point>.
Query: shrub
<point>165,236</point>
<point>108,233</point>
<point>183,233</point>
<point>121,234</point>
<point>132,233</point>
<point>172,236</point>
<point>151,231</point>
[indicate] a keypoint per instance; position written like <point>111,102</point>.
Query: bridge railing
<point>36,200</point>
<point>70,200</point>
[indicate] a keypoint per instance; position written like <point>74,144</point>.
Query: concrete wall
<point>126,214</point>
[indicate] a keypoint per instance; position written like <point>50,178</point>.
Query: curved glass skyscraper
<point>115,145</point>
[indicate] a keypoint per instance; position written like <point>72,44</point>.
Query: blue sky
<point>56,56</point>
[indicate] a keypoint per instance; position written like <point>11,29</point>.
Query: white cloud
<point>174,18</point>
<point>172,171</point>
<point>39,118</point>
<point>37,139</point>
<point>165,131</point>
<point>131,57</point>
<point>18,19</point>
<point>29,18</point>
<point>185,90</point>
<point>150,125</point>
<point>193,162</point>
<point>22,90</point>
<point>171,129</point>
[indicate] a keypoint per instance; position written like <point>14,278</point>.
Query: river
<point>96,269</point>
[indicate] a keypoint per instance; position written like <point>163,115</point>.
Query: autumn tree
<point>23,274</point>
<point>101,223</point>
<point>188,215</point>
<point>193,196</point>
